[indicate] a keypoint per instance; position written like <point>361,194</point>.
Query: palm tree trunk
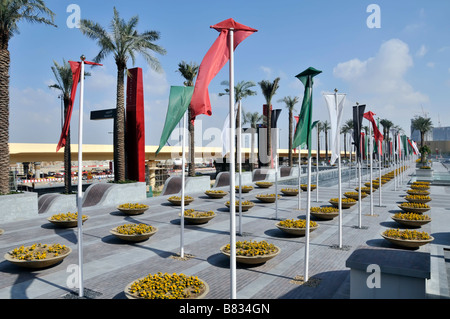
<point>119,143</point>
<point>290,139</point>
<point>191,164</point>
<point>4,120</point>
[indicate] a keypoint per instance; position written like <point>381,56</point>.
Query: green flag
<point>179,99</point>
<point>303,130</point>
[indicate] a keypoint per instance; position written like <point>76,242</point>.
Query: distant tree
<point>269,89</point>
<point>12,12</point>
<point>347,128</point>
<point>123,42</point>
<point>290,104</point>
<point>423,125</point>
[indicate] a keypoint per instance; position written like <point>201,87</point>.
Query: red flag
<point>76,70</point>
<point>212,63</point>
<point>377,134</point>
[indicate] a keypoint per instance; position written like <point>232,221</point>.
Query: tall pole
<point>232,173</point>
<point>80,182</point>
<point>370,152</point>
<point>240,169</point>
<point>317,167</point>
<point>299,180</point>
<point>339,176</point>
<point>379,170</point>
<point>183,163</point>
<point>308,206</point>
<point>276,173</point>
<point>358,158</point>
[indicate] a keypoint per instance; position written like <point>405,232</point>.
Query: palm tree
<point>326,127</point>
<point>269,89</point>
<point>290,103</point>
<point>252,118</point>
<point>423,125</point>
<point>189,72</point>
<point>319,128</point>
<point>123,43</point>
<point>241,91</point>
<point>63,77</point>
<point>346,129</point>
<point>11,13</point>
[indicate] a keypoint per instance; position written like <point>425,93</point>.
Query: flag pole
<point>358,158</point>
<point>80,181</point>
<point>317,167</point>
<point>232,173</point>
<point>370,152</point>
<point>308,202</point>
<point>183,161</point>
<point>276,173</point>
<point>339,176</point>
<point>299,179</point>
<point>240,168</point>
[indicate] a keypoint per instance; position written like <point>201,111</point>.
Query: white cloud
<point>431,64</point>
<point>267,71</point>
<point>380,82</point>
<point>155,84</point>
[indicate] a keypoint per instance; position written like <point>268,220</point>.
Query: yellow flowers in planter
<point>245,202</point>
<point>418,197</point>
<point>417,192</point>
<point>134,229</point>
<point>298,223</point>
<point>186,197</point>
<point>215,191</point>
<point>166,286</point>
<point>253,248</point>
<point>414,205</point>
<point>289,189</point>
<point>411,216</point>
<point>327,209</point>
<point>406,234</point>
<point>344,200</point>
<point>267,195</point>
<point>133,206</point>
<point>38,251</point>
<point>66,216</point>
<point>195,214</point>
<point>244,187</point>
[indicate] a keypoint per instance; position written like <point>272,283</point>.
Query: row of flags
<point>197,100</point>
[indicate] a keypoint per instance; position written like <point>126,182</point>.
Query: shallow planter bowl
<point>344,205</point>
<point>131,211</point>
<point>133,238</point>
<point>325,216</point>
<point>420,201</point>
<point>216,195</point>
<point>198,220</point>
<point>263,184</point>
<point>177,202</point>
<point>408,243</point>
<point>295,231</point>
<point>37,264</point>
<point>66,223</point>
<point>251,260</point>
<point>290,192</point>
<point>411,223</point>
<point>266,199</point>
<point>136,296</point>
<point>356,197</point>
<point>305,188</point>
<point>414,210</point>
<point>244,189</point>
<point>244,207</point>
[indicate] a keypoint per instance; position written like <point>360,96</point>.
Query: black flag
<point>358,113</point>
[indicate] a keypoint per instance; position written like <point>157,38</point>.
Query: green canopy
<point>179,99</point>
<point>303,130</point>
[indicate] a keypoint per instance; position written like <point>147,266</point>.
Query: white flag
<point>335,103</point>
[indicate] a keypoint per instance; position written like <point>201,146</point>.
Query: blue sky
<point>399,70</point>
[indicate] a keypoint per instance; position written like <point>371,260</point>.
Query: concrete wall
<point>16,207</point>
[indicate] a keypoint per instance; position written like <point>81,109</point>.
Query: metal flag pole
<point>358,159</point>
<point>276,173</point>
<point>240,168</point>
<point>370,153</point>
<point>339,176</point>
<point>232,169</point>
<point>80,182</point>
<point>380,146</point>
<point>183,163</point>
<point>317,168</point>
<point>299,180</point>
<point>308,205</point>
